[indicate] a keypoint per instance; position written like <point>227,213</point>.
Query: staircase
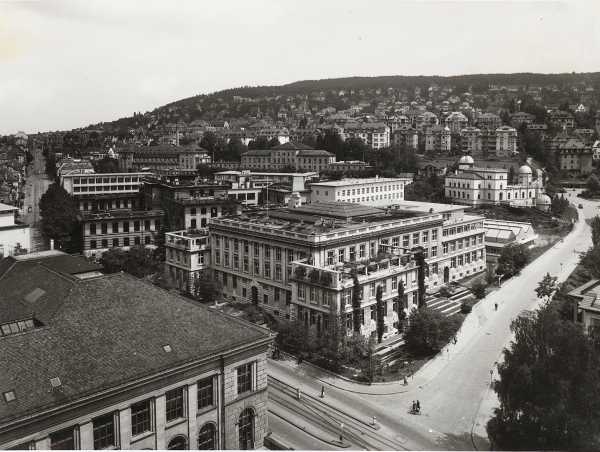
<point>448,306</point>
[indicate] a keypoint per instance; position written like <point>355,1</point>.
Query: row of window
<point>460,229</point>
<point>142,415</point>
<point>104,188</point>
<point>105,180</point>
<point>244,247</point>
<point>118,227</point>
<point>459,244</point>
<point>116,242</point>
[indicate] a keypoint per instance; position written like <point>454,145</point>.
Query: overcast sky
<point>66,64</point>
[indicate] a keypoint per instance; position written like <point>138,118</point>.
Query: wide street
<point>36,185</point>
<point>454,388</point>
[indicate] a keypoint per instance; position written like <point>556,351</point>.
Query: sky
<point>68,64</point>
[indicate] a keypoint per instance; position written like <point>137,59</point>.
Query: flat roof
<point>433,207</point>
<point>368,180</point>
<point>7,208</point>
<point>259,173</point>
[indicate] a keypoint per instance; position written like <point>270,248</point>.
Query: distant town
<point>323,265</point>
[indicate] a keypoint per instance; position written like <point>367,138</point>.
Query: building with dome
<point>477,186</point>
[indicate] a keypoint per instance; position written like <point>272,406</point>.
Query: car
<point>580,206</point>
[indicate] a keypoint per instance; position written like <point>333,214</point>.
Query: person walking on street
<point>414,407</point>
<point>322,391</point>
<point>418,406</point>
<point>405,381</point>
<point>495,306</point>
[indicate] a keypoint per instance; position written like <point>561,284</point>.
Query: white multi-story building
<point>299,157</point>
<point>506,141</point>
<point>298,263</point>
<point>186,255</point>
<point>438,139</point>
<point>478,186</point>
<point>103,184</point>
<point>470,138</point>
<point>456,121</point>
<point>15,238</point>
<point>373,191</point>
<point>376,135</point>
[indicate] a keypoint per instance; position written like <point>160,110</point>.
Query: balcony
<point>190,240</point>
<point>339,276</point>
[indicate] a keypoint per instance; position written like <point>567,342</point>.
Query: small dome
<point>466,160</point>
<point>525,170</point>
<point>543,200</point>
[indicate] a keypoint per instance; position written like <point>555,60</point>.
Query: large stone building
<point>163,159</point>
<point>476,186</point>
<point>96,361</point>
<point>575,157</point>
<point>299,157</point>
<point>374,191</point>
<point>506,141</point>
<point>255,255</point>
<point>438,139</point>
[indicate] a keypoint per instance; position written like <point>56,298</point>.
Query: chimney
<point>51,244</point>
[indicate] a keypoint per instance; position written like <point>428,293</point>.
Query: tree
<point>234,150</point>
<point>380,314</point>
<point>138,261</point>
<point>478,290</point>
<point>209,141</point>
<point>547,286</point>
<point>400,307</point>
<point>106,165</point>
<point>60,218</point>
<point>591,261</point>
<point>429,331</point>
<point>356,310</point>
<point>273,142</point>
<point>593,184</point>
<point>512,259</point>
<point>141,261</point>
<point>50,164</point>
<point>595,225</point>
<point>260,142</point>
<point>549,390</point>
<point>206,288</point>
<point>114,260</point>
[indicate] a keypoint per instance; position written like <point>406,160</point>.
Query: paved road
<point>36,185</point>
<point>454,388</point>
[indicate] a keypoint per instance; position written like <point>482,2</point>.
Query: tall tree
<point>429,331</point>
<point>380,314</point>
<point>209,141</point>
<point>60,218</point>
<point>547,286</point>
<point>595,224</point>
<point>549,389</point>
<point>400,307</point>
<point>356,309</point>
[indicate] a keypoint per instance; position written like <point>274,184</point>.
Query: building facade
<point>298,157</point>
<point>15,238</point>
<point>374,191</point>
<point>478,186</point>
<point>95,386</point>
<point>255,257</point>
<point>575,158</point>
<point>187,254</point>
<point>506,141</point>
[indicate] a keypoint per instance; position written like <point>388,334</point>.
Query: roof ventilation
<point>167,348</point>
<point>9,396</point>
<point>34,295</point>
<point>55,382</point>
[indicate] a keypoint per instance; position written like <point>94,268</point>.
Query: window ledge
<point>206,409</point>
<point>142,436</point>
<point>175,422</point>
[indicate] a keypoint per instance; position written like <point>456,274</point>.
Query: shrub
<point>465,308</point>
<point>478,290</point>
<point>444,292</point>
<point>429,331</point>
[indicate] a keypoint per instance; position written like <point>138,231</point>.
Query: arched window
<point>178,443</point>
<point>207,437</point>
<point>246,429</point>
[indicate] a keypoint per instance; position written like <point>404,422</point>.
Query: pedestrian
<point>322,391</point>
<point>299,359</point>
<point>405,381</point>
<point>298,393</point>
<point>414,407</point>
<point>454,340</point>
<point>496,306</point>
<point>418,406</point>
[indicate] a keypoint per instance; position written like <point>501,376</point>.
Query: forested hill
<point>220,104</point>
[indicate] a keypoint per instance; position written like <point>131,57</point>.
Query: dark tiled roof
<point>291,146</point>
<point>67,264</point>
<point>257,153</point>
<point>102,332</point>
<point>314,153</point>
